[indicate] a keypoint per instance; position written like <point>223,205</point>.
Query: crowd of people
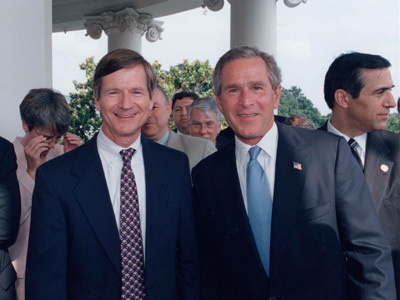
<point>261,210</point>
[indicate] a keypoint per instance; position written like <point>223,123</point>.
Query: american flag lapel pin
<point>297,166</point>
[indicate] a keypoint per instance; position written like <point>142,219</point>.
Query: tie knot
<point>126,155</point>
<point>353,144</point>
<point>254,152</point>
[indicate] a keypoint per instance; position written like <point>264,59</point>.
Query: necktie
<point>353,145</point>
<point>259,204</point>
<point>132,262</point>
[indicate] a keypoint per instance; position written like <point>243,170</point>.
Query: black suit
<point>383,150</point>
<point>74,244</point>
<point>10,210</point>
<point>326,239</point>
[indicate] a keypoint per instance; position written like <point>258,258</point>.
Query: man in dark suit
<point>10,209</point>
<point>358,90</point>
<point>101,233</point>
<point>296,222</point>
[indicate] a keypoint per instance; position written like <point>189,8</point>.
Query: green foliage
<point>392,124</point>
<point>85,119</point>
<point>293,102</point>
<point>195,76</point>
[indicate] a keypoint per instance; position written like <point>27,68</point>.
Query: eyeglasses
<point>49,138</point>
<point>207,126</point>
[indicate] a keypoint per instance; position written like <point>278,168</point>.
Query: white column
<point>25,57</point>
<point>253,23</point>
<point>124,28</point>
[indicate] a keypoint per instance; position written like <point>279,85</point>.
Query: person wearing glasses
<point>205,121</point>
<point>45,120</point>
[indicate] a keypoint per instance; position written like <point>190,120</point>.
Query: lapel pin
<point>297,166</point>
<point>384,168</point>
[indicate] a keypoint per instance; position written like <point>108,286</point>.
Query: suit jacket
<point>383,150</point>
<point>326,240</point>
<point>74,244</point>
<point>10,209</point>
<point>195,148</point>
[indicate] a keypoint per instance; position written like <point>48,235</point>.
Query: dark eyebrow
<point>382,89</point>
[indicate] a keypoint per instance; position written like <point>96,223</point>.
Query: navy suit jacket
<point>74,244</point>
<point>383,150</point>
<point>10,212</point>
<point>326,240</point>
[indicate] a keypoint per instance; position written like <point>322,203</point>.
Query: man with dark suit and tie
<point>113,219</point>
<point>283,212</point>
<point>358,90</point>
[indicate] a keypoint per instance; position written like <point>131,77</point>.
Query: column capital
<point>126,19</point>
<point>213,5</point>
<point>293,3</point>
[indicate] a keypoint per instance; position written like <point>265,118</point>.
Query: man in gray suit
<point>358,90</point>
<point>156,129</point>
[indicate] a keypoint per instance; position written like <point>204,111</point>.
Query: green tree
<point>392,124</point>
<point>85,119</point>
<point>293,102</point>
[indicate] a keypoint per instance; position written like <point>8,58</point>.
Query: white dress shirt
<point>267,159</point>
<point>361,141</point>
<point>112,166</point>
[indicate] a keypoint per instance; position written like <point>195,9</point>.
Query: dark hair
<point>274,73</point>
<point>346,73</point>
<point>303,122</point>
<point>47,109</point>
<point>181,95</point>
<point>121,59</point>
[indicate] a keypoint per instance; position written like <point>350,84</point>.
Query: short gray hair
<point>47,109</point>
<point>274,72</point>
<point>207,105</point>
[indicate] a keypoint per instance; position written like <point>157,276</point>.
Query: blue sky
<point>309,36</point>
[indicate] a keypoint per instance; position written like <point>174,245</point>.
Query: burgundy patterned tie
<point>132,260</point>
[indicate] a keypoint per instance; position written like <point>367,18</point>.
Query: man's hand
<point>35,153</point>
<point>71,141</point>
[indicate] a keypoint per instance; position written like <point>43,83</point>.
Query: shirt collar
<point>361,139</point>
<point>110,150</point>
<point>164,140</point>
<point>269,144</point>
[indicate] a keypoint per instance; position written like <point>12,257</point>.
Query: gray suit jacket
<point>195,148</point>
<point>382,173</point>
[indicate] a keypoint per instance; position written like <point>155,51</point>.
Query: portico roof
<point>70,14</point>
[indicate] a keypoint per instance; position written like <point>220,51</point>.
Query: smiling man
<point>113,219</point>
<point>283,212</point>
<point>358,90</point>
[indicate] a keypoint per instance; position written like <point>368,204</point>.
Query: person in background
<point>10,209</point>
<point>180,103</point>
<point>45,120</point>
<point>156,129</point>
<point>299,121</point>
<point>283,212</point>
<point>205,121</point>
<point>358,91</point>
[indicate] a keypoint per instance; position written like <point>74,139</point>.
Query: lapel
<point>377,155</point>
<point>157,199</point>
<point>230,207</point>
<point>93,196</point>
<point>289,184</point>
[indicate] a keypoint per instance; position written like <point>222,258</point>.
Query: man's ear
<point>219,103</point>
<point>342,98</point>
<point>25,126</point>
